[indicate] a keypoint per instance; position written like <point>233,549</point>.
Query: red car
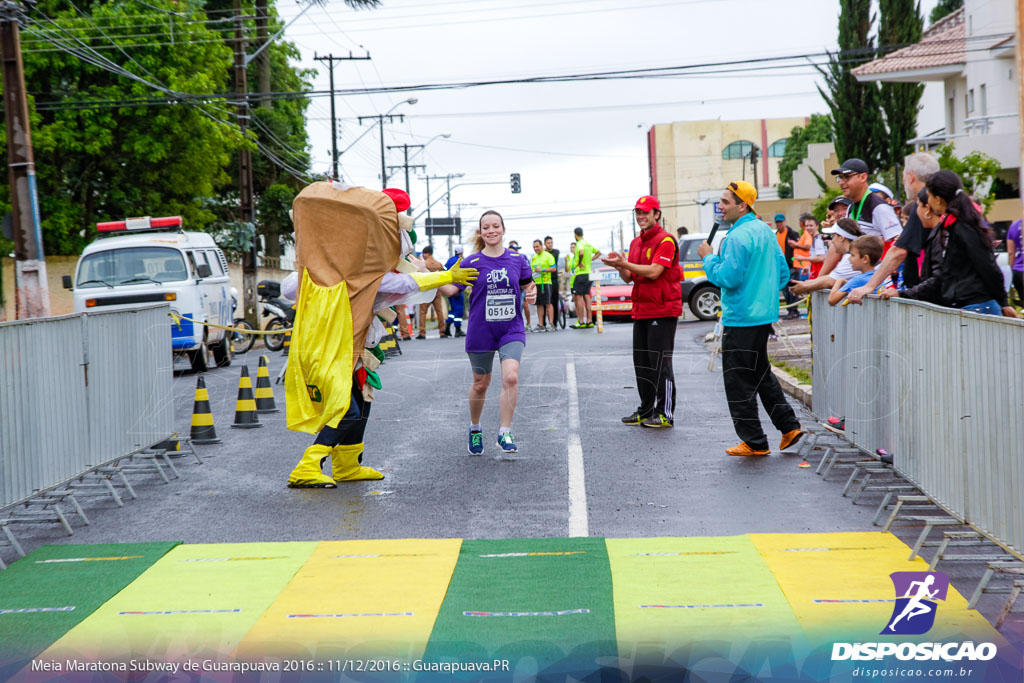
<point>616,299</point>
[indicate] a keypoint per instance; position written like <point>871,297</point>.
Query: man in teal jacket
<point>750,270</point>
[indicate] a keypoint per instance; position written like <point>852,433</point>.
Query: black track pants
<point>748,375</point>
<point>653,343</point>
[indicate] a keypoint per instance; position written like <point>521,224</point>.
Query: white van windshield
<point>137,265</point>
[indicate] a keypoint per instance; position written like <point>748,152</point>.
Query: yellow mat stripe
<point>375,597</point>
<point>196,601</point>
<point>855,566</point>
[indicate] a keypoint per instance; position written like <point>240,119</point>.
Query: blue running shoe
<point>476,443</point>
<point>507,443</point>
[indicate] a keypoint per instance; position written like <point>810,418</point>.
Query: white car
<point>146,260</point>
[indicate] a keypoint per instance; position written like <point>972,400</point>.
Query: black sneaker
<point>657,421</point>
<point>633,419</point>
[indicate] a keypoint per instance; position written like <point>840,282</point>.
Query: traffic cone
<point>203,430</point>
<point>245,406</point>
<point>264,393</point>
<point>288,335</point>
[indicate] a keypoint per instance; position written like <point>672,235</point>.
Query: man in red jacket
<point>653,268</point>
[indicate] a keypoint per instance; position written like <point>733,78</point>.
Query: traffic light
<point>517,185</point>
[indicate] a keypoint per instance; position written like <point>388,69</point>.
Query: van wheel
<point>199,358</point>
<point>705,302</point>
<point>222,353</point>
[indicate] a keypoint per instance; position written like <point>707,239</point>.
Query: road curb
<point>792,386</point>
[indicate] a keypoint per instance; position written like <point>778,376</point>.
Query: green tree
<point>818,129</point>
<point>280,158</point>
<point>977,170</point>
<point>820,208</point>
<point>944,8</point>
<point>101,162</point>
<point>856,110</point>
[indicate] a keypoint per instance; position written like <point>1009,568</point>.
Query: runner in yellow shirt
<point>543,265</point>
<point>585,254</point>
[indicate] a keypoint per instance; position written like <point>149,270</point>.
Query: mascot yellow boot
<point>345,464</point>
<point>308,474</point>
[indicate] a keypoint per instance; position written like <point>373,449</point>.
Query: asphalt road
<point>638,482</point>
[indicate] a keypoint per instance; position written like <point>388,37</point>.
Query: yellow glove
<point>456,275</point>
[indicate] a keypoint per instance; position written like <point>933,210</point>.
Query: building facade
<point>971,52</point>
<point>692,161</point>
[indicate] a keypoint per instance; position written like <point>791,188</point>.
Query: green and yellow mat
<point>557,607</point>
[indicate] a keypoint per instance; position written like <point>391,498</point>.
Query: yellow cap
<point>745,191</point>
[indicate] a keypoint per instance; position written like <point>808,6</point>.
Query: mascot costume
<point>351,245</point>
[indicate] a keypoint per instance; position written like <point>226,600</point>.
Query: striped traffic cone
<point>264,393</point>
<point>288,335</point>
<point>245,406</point>
<point>203,430</point>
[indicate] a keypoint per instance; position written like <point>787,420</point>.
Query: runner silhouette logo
<point>916,596</point>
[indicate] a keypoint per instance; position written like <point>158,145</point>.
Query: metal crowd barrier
<point>79,391</point>
<point>942,390</point>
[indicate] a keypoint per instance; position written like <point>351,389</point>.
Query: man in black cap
<point>869,209</point>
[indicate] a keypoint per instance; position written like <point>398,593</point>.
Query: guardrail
<point>79,391</point>
<point>942,390</point>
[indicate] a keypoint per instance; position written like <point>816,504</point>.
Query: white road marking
<point>578,525</point>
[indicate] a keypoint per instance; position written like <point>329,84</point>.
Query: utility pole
<point>246,210</point>
<point>380,120</point>
<point>407,166</point>
<point>331,59</point>
<point>32,297</point>
<point>448,193</point>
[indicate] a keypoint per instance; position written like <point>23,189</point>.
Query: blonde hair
<point>478,240</point>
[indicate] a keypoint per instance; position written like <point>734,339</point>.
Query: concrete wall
<point>61,302</point>
<point>688,160</point>
<point>821,157</point>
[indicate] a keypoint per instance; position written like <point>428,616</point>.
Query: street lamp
<point>439,135</point>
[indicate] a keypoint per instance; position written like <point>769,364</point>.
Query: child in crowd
<point>865,253</point>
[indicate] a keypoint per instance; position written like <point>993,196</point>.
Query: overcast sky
<point>580,147</point>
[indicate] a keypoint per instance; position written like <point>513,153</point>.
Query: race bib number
<point>500,307</point>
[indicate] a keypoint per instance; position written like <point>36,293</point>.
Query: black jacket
<point>958,269</point>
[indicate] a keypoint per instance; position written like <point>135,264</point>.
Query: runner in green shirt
<point>585,254</point>
<point>543,264</point>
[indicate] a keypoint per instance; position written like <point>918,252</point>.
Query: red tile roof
<point>943,44</point>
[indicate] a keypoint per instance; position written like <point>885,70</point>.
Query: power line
<point>728,66</point>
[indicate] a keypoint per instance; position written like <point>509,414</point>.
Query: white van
<point>145,260</point>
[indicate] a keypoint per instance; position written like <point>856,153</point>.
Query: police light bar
<point>144,223</point>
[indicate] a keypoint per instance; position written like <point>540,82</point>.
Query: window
<point>199,259</point>
<point>738,150</point>
<point>778,148</point>
<point>688,250</point>
<point>970,101</point>
<point>984,99</point>
<point>129,266</point>
<point>216,269</point>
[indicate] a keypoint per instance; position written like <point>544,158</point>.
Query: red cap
<point>399,197</point>
<point>647,203</point>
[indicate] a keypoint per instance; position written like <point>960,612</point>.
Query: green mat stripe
<point>58,586</point>
<point>545,598</point>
